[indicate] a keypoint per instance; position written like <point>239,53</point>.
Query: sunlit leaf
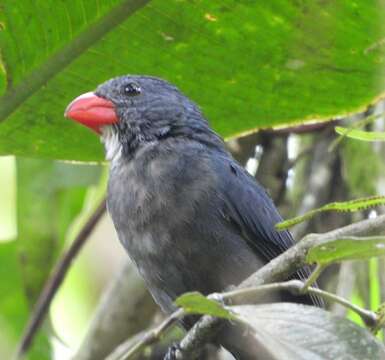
<point>361,134</point>
<point>196,303</point>
<point>347,248</point>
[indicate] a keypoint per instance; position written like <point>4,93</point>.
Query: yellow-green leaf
<point>360,134</point>
<point>347,248</point>
<point>346,206</point>
<point>196,303</point>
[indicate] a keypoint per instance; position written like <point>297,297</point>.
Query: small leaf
<point>300,332</point>
<point>348,248</point>
<point>358,124</point>
<point>196,303</point>
<point>361,134</point>
<point>346,206</point>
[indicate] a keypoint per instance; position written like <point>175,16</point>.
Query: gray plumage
<point>189,216</point>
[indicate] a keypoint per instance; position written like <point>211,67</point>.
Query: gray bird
<point>190,217</point>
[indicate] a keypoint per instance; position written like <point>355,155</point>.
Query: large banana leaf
<point>249,64</point>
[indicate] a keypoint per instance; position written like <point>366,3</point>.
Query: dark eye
<point>132,89</point>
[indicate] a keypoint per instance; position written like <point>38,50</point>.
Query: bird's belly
<point>180,248</point>
<point>182,260</point>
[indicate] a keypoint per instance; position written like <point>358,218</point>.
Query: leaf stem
<point>148,338</point>
<point>313,277</point>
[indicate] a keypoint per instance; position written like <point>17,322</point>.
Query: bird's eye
<point>132,89</point>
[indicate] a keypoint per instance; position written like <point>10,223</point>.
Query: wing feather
<point>250,208</point>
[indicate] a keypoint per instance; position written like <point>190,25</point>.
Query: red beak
<point>92,111</point>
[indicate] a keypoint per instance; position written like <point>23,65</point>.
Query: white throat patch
<point>111,143</point>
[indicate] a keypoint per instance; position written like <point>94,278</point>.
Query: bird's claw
<point>172,352</point>
<point>217,297</point>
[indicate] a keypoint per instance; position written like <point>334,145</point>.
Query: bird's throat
<point>112,145</point>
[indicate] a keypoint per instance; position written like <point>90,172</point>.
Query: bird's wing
<point>249,208</point>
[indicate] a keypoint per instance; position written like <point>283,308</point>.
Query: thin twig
<point>368,317</point>
<point>55,280</point>
<point>295,257</point>
<point>151,336</point>
<point>298,287</point>
<point>313,277</point>
<point>126,346</point>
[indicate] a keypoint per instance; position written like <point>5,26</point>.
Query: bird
<point>189,216</point>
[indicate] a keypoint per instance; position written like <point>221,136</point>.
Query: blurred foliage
<point>14,308</point>
<point>361,166</point>
<point>8,227</point>
<point>78,293</point>
<point>258,63</point>
<point>50,195</point>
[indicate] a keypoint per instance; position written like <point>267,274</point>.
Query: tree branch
<point>55,280</point>
<point>148,338</point>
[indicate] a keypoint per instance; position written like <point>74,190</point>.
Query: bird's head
<point>131,111</point>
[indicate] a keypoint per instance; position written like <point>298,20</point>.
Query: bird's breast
<point>151,196</point>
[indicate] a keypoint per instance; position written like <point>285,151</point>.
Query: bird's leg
<point>172,352</point>
<point>217,297</point>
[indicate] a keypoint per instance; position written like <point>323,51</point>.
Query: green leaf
<point>346,206</point>
<point>357,124</point>
<point>196,303</point>
<point>298,332</point>
<point>347,248</point>
<point>259,64</point>
<point>361,134</point>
